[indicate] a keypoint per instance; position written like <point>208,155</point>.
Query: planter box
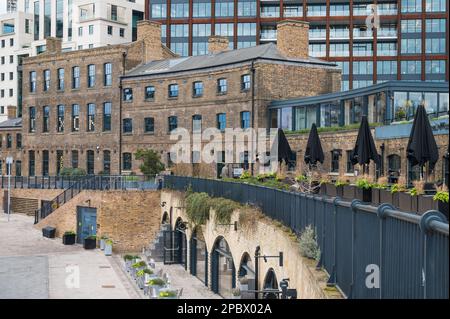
<point>323,189</point>
<point>385,196</point>
<point>330,190</point>
<point>405,202</point>
<point>128,264</point>
<point>108,249</point>
<point>349,192</point>
<point>315,187</point>
<point>443,208</point>
<point>364,195</point>
<point>89,243</point>
<point>68,239</point>
<point>102,244</point>
<point>395,199</point>
<point>49,232</point>
<point>426,203</point>
<point>376,196</point>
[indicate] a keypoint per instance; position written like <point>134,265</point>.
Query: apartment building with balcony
<point>409,43</point>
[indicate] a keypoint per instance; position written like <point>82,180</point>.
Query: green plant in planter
<point>441,196</point>
<point>128,257</point>
<point>142,272</point>
<point>92,237</point>
<point>245,175</point>
<point>69,233</point>
<point>340,183</point>
<point>156,282</point>
<point>363,183</point>
<point>139,264</point>
<point>236,292</point>
<point>272,175</point>
<point>108,241</point>
<point>168,294</point>
<point>261,177</point>
<point>301,178</point>
<point>397,188</point>
<point>104,237</point>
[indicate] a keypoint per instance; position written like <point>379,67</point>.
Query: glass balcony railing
<point>386,32</point>
<point>268,35</point>
<point>362,33</point>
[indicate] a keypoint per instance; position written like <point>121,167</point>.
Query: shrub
<point>236,292</point>
<point>139,264</point>
<point>156,282</point>
<point>128,257</point>
<point>340,182</point>
<point>197,208</point>
<point>245,175</point>
<point>168,294</point>
<point>363,183</point>
<point>68,171</point>
<point>224,208</point>
<point>69,233</point>
<point>441,196</point>
<point>308,244</point>
<point>381,183</point>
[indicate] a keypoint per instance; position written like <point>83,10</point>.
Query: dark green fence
<point>369,252</point>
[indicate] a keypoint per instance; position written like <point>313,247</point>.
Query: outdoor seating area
<point>150,279</point>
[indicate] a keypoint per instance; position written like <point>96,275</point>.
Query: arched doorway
<point>246,276</point>
<point>394,166</point>
<point>175,244</point>
<point>222,269</point>
<point>165,219</point>
<point>270,286</point>
<point>199,256</point>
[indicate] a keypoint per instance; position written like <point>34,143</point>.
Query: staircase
<point>156,249</point>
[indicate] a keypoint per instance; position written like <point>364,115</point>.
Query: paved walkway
<point>34,267</point>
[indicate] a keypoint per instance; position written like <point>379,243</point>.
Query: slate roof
<point>11,123</point>
<point>267,51</point>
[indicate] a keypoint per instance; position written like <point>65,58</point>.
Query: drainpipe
<point>257,254</point>
<point>253,70</point>
<point>124,56</point>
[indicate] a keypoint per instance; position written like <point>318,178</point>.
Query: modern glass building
<point>409,44</point>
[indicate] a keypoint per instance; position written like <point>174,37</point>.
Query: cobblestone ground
<point>34,267</point>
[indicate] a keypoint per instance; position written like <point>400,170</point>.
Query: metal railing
<point>369,252</point>
<point>102,182</point>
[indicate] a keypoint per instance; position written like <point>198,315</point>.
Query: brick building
<point>11,143</point>
<point>72,104</point>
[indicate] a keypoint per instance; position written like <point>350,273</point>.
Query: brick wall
<point>130,218</point>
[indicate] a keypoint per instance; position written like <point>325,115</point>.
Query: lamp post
<point>9,161</point>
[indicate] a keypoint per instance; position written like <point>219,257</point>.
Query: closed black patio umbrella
<point>314,151</point>
<point>365,149</point>
<point>284,149</point>
<point>422,147</point>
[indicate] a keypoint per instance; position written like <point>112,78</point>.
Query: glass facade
<point>335,34</point>
<point>392,102</point>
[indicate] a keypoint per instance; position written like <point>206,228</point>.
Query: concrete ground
<point>34,267</point>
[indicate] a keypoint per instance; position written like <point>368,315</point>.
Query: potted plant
<point>416,193</point>
<point>339,184</point>
<point>168,294</point>
<point>156,284</point>
<point>103,238</point>
<point>236,293</point>
<point>136,267</point>
<point>380,185</point>
<point>90,242</point>
<point>108,247</point>
<point>400,186</point>
<point>348,191</point>
<point>128,262</point>
<point>441,197</point>
<point>69,238</point>
<point>143,276</point>
<point>364,189</point>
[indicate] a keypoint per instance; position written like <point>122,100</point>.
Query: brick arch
<point>270,282</point>
<point>165,218</point>
<point>216,266</point>
<point>246,260</point>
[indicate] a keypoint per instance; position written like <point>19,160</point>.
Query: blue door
<point>86,223</point>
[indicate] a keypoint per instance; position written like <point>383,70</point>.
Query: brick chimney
<point>217,44</point>
<point>293,39</point>
<point>53,45</point>
<point>12,112</point>
<point>149,32</point>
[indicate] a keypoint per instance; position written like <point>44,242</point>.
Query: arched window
<point>222,269</point>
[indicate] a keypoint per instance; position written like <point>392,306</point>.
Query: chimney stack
<point>53,45</point>
<point>12,112</point>
<point>293,39</point>
<point>149,32</point>
<point>217,44</point>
